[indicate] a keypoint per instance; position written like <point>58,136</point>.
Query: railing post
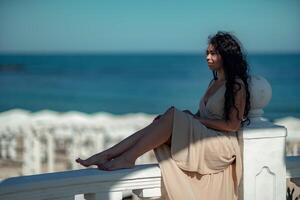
<point>147,193</point>
<point>263,150</point>
<point>100,196</point>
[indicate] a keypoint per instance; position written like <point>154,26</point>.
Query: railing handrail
<point>74,182</point>
<point>140,177</point>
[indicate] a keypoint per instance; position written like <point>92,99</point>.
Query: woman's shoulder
<point>239,81</point>
<point>239,84</point>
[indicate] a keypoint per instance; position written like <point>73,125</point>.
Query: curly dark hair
<point>235,67</point>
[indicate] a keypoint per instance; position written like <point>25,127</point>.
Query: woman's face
<point>213,58</point>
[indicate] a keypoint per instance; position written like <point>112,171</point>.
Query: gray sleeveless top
<point>214,107</point>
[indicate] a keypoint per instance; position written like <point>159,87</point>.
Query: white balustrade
<point>264,174</point>
<point>93,183</point>
<point>263,149</point>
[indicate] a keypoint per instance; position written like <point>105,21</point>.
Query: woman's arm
<point>234,122</point>
<point>218,124</point>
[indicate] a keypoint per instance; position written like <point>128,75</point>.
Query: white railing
<point>143,180</point>
<point>94,184</point>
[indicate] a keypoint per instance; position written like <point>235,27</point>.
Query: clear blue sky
<point>145,26</point>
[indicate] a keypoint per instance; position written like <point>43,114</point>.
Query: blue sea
<point>130,83</point>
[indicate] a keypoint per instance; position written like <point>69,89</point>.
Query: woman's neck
<point>220,75</point>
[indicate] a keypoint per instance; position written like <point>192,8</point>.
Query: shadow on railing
<point>143,180</point>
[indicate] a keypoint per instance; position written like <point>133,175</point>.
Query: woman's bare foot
<point>98,159</point>
<point>120,162</point>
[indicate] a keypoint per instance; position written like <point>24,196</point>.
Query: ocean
<point>131,83</point>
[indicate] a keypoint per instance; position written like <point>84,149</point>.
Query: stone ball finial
<point>260,95</point>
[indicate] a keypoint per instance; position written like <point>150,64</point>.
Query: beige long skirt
<point>201,164</point>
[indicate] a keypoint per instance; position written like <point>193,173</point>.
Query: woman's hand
<point>198,118</point>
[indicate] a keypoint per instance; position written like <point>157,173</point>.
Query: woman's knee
<point>170,111</point>
<point>172,108</point>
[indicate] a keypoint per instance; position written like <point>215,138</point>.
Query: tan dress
<point>201,163</point>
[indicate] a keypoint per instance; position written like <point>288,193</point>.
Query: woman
<point>198,154</point>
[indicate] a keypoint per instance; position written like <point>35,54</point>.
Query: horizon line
<point>136,53</point>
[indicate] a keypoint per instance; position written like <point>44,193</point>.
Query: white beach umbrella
<point>13,119</point>
<point>75,119</point>
<point>44,117</point>
<point>14,116</point>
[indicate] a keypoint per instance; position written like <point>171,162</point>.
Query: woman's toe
<point>79,160</point>
<point>82,162</point>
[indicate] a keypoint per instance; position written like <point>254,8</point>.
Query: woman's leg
<point>114,151</point>
<point>154,135</point>
<point>100,158</point>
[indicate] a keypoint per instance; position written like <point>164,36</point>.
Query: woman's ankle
<point>128,158</point>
